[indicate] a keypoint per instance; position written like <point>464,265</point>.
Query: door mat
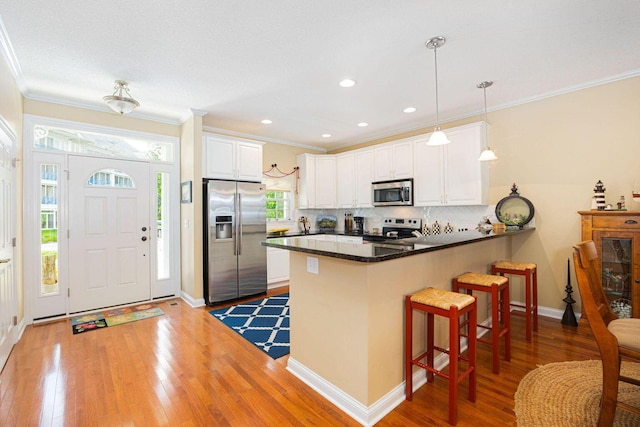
<point>113,317</point>
<point>262,322</point>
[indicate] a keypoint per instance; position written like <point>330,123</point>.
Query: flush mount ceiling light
<point>437,137</point>
<point>266,122</point>
<point>410,110</point>
<point>363,124</point>
<point>121,100</point>
<point>487,154</point>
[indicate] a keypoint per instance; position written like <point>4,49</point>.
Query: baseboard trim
<point>553,313</point>
<point>195,303</point>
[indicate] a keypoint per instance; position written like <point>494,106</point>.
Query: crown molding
<point>260,138</point>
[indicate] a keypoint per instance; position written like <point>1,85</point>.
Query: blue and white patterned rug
<point>263,322</point>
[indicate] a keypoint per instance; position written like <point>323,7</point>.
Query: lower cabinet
<point>277,265</point>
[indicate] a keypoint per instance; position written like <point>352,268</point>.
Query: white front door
<point>8,297</point>
<point>109,233</point>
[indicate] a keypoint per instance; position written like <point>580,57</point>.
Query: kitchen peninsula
<point>346,298</point>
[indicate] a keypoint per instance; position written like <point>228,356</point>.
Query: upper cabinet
<point>393,161</point>
<point>355,174</point>
<point>228,158</point>
<point>452,174</point>
<point>317,188</point>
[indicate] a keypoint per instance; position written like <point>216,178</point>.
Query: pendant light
<point>121,100</point>
<point>437,137</point>
<point>488,153</point>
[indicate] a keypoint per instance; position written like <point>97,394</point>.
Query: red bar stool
<point>498,287</point>
<point>530,273</point>
<point>451,305</point>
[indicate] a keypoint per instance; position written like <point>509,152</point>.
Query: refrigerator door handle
<point>239,224</point>
<point>234,232</point>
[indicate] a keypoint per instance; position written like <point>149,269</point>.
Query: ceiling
<point>244,61</point>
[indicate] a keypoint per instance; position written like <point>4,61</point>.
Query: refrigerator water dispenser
<point>223,227</point>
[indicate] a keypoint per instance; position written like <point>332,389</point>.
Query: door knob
<point>144,228</point>
<point>144,238</point>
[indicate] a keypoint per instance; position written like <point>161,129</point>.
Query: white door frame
<point>160,287</point>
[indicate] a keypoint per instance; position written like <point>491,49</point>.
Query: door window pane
<point>162,219</point>
<point>110,178</point>
<point>49,229</point>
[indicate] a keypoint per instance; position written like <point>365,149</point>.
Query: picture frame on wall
<point>185,192</point>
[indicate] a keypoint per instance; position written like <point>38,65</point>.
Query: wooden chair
<point>616,338</point>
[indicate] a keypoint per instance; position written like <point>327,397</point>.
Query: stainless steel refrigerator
<point>235,264</point>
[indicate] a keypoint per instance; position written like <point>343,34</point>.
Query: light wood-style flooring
<point>186,368</point>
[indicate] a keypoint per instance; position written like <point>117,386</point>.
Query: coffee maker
<point>358,225</point>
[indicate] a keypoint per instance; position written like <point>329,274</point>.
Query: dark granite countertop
<point>331,246</point>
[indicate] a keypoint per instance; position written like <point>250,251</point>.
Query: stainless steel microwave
<point>398,192</point>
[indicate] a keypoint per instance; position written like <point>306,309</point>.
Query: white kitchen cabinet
<point>393,161</point>
<point>451,174</point>
<point>326,182</point>
<point>277,265</point>
<point>317,189</point>
<point>354,177</point>
<point>228,158</point>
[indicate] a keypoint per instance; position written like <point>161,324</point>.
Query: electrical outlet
<point>312,265</point>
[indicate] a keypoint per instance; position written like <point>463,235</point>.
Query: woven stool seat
<point>481,279</point>
<point>441,298</point>
<point>520,266</point>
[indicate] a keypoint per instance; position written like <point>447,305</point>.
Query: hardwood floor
<point>187,369</point>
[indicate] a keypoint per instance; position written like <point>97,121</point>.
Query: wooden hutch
<point>617,238</point>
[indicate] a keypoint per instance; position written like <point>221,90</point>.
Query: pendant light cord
<point>435,55</point>
<point>486,117</point>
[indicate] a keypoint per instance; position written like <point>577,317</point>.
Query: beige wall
<point>11,104</point>
<point>283,155</point>
<point>191,221</point>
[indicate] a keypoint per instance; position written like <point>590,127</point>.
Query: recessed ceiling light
<point>410,110</point>
<point>266,122</point>
<point>326,135</point>
<point>347,83</point>
<point>363,124</point>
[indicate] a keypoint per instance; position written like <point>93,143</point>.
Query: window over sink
<point>279,198</point>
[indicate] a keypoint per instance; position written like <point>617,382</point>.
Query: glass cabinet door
<point>617,272</point>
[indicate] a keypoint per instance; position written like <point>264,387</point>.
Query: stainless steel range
<point>396,228</point>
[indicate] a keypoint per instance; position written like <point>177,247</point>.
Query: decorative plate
<point>514,210</point>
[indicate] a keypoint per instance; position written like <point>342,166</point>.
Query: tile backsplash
<point>460,217</point>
